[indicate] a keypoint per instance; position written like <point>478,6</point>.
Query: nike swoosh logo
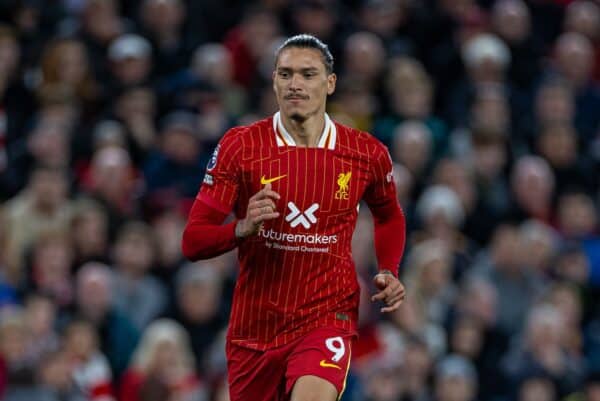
<point>325,364</point>
<point>265,181</point>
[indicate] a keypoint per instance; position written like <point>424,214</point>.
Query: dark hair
<point>305,40</point>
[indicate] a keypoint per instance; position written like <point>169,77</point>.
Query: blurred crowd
<point>109,111</point>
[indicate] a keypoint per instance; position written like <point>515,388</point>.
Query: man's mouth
<point>295,97</point>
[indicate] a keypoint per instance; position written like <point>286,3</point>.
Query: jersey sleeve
<point>388,218</point>
<point>220,187</point>
<point>205,236</point>
<point>382,187</point>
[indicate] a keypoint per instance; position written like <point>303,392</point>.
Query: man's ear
<point>331,80</point>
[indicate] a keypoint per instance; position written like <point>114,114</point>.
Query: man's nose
<point>295,82</point>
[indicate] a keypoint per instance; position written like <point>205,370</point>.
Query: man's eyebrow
<point>305,69</point>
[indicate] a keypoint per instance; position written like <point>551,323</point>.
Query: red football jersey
<point>297,273</point>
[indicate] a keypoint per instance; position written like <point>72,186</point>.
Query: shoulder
<point>240,135</point>
<point>361,141</point>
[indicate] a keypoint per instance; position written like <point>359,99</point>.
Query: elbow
<point>187,246</point>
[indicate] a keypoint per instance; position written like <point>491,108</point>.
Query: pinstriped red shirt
<point>297,273</point>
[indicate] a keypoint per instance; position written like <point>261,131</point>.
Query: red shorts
<point>270,375</point>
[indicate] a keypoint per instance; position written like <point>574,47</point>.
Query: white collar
<point>283,137</point>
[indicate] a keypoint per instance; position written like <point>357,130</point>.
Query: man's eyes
<point>287,75</point>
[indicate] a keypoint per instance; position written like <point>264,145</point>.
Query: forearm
<point>205,236</point>
<point>390,236</point>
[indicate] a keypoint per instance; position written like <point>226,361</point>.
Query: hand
<point>261,207</point>
<point>391,291</point>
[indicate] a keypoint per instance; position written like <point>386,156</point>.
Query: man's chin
<point>297,117</point>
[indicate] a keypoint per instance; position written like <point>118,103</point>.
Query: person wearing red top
<point>294,182</point>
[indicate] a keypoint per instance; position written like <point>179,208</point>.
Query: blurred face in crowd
<point>412,146</point>
<point>134,253</point>
<point>49,144</point>
<point>48,189</point>
<point>81,340</point>
<point>63,114</point>
<point>109,133</point>
<point>199,300</point>
<point>480,302</point>
<point>417,360</point>
<point>14,338</point>
<point>511,20</point>
<point>40,313</point>
<point>538,240</point>
<point>414,101</point>
<point>55,371</point>
<point>354,104</point>
<point>73,63</point>
<point>558,145</point>
<point>577,215</point>
<point>573,266</point>
<point>490,113</point>
<point>111,172</point>
<point>180,145</point>
<point>533,185</point>
<point>163,15</point>
<point>52,258</point>
<point>383,17</point>
<point>93,292</point>
<point>435,273</point>
<point>213,63</point>
<point>583,16</point>
<point>458,9</point>
<point>537,389</point>
<point>135,103</point>
<point>592,391</point>
<point>9,56</point>
<point>364,56</point>
<point>506,249</point>
<point>554,103</point>
<point>454,388</point>
<point>101,20</point>
<point>566,300</point>
<point>165,357</point>
<point>384,384</point>
<point>409,88</point>
<point>302,83</point>
<point>453,174</point>
<point>489,158</point>
<point>168,229</point>
<point>258,31</point>
<point>574,56</point>
<point>132,70</point>
<point>90,233</point>
<point>314,17</point>
<point>545,331</point>
<point>466,338</point>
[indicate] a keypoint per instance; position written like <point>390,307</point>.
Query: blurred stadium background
<point>109,111</point>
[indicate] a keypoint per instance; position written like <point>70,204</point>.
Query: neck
<point>305,133</point>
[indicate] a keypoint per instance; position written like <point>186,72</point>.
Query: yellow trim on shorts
<point>347,371</point>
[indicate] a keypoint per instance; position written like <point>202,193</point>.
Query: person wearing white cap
<point>131,58</point>
<point>455,379</point>
<point>487,55</point>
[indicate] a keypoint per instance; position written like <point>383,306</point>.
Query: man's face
<point>301,83</point>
